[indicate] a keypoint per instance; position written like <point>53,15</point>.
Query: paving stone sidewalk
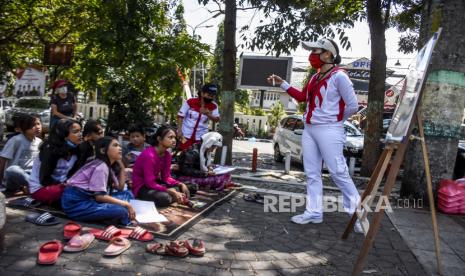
<point>240,239</point>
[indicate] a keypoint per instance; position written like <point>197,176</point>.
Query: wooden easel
<point>371,230</point>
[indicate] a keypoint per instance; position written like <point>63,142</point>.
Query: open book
<point>146,212</point>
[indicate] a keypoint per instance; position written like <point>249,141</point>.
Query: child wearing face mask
<point>194,116</point>
<point>56,162</point>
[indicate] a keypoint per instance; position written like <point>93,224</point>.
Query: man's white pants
<point>326,143</point>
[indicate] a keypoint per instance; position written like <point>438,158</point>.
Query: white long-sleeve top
<point>329,100</point>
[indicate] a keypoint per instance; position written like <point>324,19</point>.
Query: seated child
<point>56,162</point>
<point>88,195</point>
<point>151,175</point>
<point>19,152</point>
<point>92,132</point>
<point>135,146</point>
<point>195,164</point>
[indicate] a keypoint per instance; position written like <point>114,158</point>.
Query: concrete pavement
<point>240,239</point>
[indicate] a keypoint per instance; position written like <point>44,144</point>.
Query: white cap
<point>323,43</point>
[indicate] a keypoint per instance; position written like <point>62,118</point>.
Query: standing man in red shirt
<point>194,116</point>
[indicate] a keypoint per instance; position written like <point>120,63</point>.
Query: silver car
<point>39,106</point>
<point>288,137</point>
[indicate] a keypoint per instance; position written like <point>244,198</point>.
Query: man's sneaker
<point>304,219</point>
<point>358,227</point>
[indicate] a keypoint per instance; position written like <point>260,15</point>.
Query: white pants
<point>326,143</point>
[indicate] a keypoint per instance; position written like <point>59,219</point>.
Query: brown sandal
<point>154,248</point>
<point>176,248</point>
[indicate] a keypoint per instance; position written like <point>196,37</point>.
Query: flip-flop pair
<point>254,198</point>
<point>111,232</point>
<point>194,247</point>
<point>44,219</point>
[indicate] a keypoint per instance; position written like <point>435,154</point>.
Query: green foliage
<point>290,22</point>
<point>127,48</point>
<point>215,75</point>
<point>276,114</point>
<point>258,112</point>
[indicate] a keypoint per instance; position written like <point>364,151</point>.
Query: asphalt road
<point>242,155</point>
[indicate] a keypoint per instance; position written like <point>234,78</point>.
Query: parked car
<point>288,137</point>
<point>39,106</point>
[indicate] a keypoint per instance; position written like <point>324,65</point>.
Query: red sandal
<point>176,248</point>
<point>71,229</point>
<point>49,252</point>
<point>196,247</point>
<point>140,234</point>
<point>109,233</point>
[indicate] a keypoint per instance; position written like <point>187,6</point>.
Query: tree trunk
<point>229,78</point>
<point>443,102</point>
<point>374,126</point>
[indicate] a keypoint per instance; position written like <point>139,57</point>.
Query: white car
<point>288,137</point>
<point>38,106</point>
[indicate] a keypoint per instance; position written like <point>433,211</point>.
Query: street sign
<point>254,70</point>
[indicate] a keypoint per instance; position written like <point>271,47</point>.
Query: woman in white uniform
<point>330,99</point>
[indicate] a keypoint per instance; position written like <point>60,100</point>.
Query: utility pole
<point>229,77</point>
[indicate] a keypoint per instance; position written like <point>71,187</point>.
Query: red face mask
<point>315,61</point>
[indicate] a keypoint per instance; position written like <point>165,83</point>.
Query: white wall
<point>254,123</point>
<point>93,110</point>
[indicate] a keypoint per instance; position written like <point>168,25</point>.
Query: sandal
<point>71,229</point>
<point>49,252</point>
<point>140,234</point>
<point>254,198</point>
<point>108,234</point>
<point>28,202</point>
<point>44,219</point>
<point>117,246</point>
<point>195,247</point>
<point>153,247</point>
<point>176,248</point>
<point>79,243</point>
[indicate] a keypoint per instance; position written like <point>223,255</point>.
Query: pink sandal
<point>117,246</point>
<point>79,243</point>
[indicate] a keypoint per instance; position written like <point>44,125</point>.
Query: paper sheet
<point>223,169</point>
<point>146,212</point>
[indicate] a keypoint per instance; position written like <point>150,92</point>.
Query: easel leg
<point>429,186</point>
<point>378,173</point>
<point>378,216</point>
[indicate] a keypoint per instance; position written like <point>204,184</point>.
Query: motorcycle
<point>238,133</point>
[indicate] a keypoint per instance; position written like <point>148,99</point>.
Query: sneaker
<point>358,227</point>
<point>304,219</point>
